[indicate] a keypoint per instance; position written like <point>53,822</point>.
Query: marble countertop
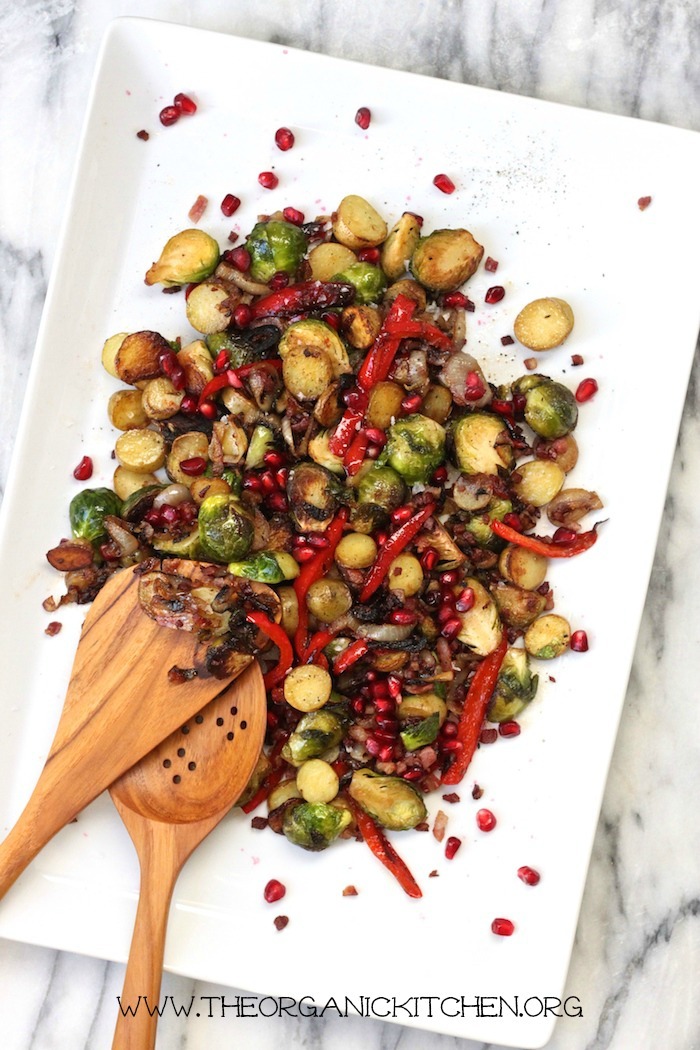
<point>636,957</point>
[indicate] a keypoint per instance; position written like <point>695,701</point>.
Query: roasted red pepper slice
<point>313,570</point>
<point>354,652</point>
<point>306,295</point>
<point>474,711</point>
<point>384,851</point>
<point>386,344</point>
<point>317,642</point>
<point>393,546</point>
<point>544,545</point>
<point>277,635</point>
<point>345,431</point>
<point>355,455</point>
<point>271,781</point>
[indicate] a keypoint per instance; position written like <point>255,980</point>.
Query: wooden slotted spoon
<point>120,704</point>
<point>169,802</point>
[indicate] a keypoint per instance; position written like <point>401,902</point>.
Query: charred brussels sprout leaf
<point>88,510</point>
<point>368,281</point>
<point>243,348</point>
<point>315,733</point>
<point>314,825</point>
<point>515,687</point>
<point>188,257</point>
<point>415,448</point>
<point>262,440</point>
<point>422,733</point>
<point>313,494</point>
<point>275,246</point>
<point>392,802</point>
<point>381,485</point>
<point>225,528</point>
<point>139,503</point>
<point>266,567</point>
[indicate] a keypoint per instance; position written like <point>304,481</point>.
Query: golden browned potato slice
<point>138,356</point>
<point>326,260</point>
<point>539,481</point>
<point>445,259</point>
<point>187,446</point>
<point>125,410</point>
<point>544,324</point>
<point>384,404</point>
<point>109,353</point>
<point>142,451</point>
<point>126,482</point>
<point>360,325</point>
<point>547,637</point>
<point>307,372</point>
<point>357,224</point>
<point>196,362</point>
<point>400,246</point>
<point>210,306</point>
<point>160,399</point>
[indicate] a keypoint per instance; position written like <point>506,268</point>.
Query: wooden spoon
<point>169,802</point>
<point>120,703</point>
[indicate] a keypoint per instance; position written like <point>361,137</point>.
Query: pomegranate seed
<point>448,746</point>
<point>509,729</point>
<point>177,378</point>
<point>451,846</point>
<point>474,387</point>
<point>394,685</point>
<point>279,280</point>
<point>274,891</point>
<point>84,469</point>
<point>268,180</point>
<point>185,104</point>
<point>381,536</point>
<point>284,139</point>
<point>208,409</point>
<point>445,612</point>
<point>429,559</point>
<point>449,578</point>
<point>451,629</point>
<point>643,203</point>
<point>274,459</point>
<point>402,616</point>
<point>448,731</point>
<point>485,820</point>
<point>368,255</point>
<point>513,520</point>
<point>268,481</point>
<point>188,405</point>
<point>355,399</point>
<point>528,875</point>
<point>465,600</point>
<point>576,360</point>
<point>242,315</point>
<point>502,927</point>
<point>488,736</point>
<point>495,294</point>
<point>455,300</point>
<point>153,517</point>
<point>563,536</point>
<point>240,258</point>
<point>363,117</point>
<point>252,483</point>
<point>384,704</point>
<point>376,436</point>
<point>401,514</point>
<point>229,205</point>
<point>272,720</point>
<point>586,389</point>
<point>579,642</point>
<point>412,774</point>
<point>169,115</point>
<point>294,216</point>
<point>444,183</point>
<point>303,554</point>
<point>222,361</point>
<point>143,135</point>
<point>507,340</point>
<point>194,466</point>
<point>380,688</point>
<point>332,319</point>
<point>411,403</point>
<point>439,476</point>
<point>490,264</point>
<point>387,723</point>
<point>169,514</point>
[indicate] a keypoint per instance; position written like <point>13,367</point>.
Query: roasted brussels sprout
<point>266,567</point>
<point>547,637</point>
<point>185,546</point>
<point>480,524</point>
<point>515,688</point>
<point>445,259</point>
<point>368,281</point>
<point>315,333</point>
<point>320,452</point>
<point>244,347</point>
<point>415,447</point>
<point>315,733</point>
<point>481,628</point>
<point>88,510</point>
<point>421,706</point>
<point>261,441</point>
<point>225,528</point>
<point>382,486</point>
<point>313,493</point>
<point>517,606</point>
<point>391,801</point>
<point>275,246</point>
<point>188,257</point>
<point>421,733</point>
<point>550,409</point>
<point>314,825</point>
<point>400,245</point>
<point>481,444</point>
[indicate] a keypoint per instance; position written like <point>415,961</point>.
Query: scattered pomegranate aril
<point>169,115</point>
<point>208,409</point>
<point>451,846</point>
<point>284,139</point>
<point>586,389</point>
<point>84,469</point>
<point>490,264</point>
<point>411,403</point>
<point>402,617</point>
<point>494,294</point>
<point>188,405</point>
<point>363,117</point>
<point>488,736</point>
<point>318,542</point>
<point>643,203</point>
<point>502,927</point>
<point>429,559</point>
<point>444,183</point>
<point>451,629</point>
<point>528,875</point>
<point>473,387</point>
<point>230,204</point>
<point>455,300</point>
<point>355,399</point>
<point>242,316</point>
<point>240,258</point>
<point>185,104</point>
<point>576,360</point>
<point>394,685</point>
<point>274,891</point>
<point>579,642</point>
<point>279,280</point>
<point>303,554</point>
<point>465,600</point>
<point>274,459</point>
<point>513,520</point>
<point>563,536</point>
<point>510,728</point>
<point>485,820</point>
<point>268,180</point>
<point>449,577</point>
<point>438,476</point>
<point>369,255</point>
<point>376,436</point>
<point>194,466</point>
<point>402,514</point>
<point>222,361</point>
<point>294,216</point>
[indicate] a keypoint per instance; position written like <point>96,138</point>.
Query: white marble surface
<point>636,960</point>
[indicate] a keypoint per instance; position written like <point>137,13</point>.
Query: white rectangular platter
<point>552,194</point>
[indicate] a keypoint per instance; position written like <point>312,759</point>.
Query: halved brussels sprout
<point>275,246</point>
<point>422,733</point>
<point>415,447</point>
<point>445,259</point>
<point>87,512</point>
<point>400,245</point>
<point>315,733</point>
<point>313,493</point>
<point>547,637</point>
<point>261,441</point>
<point>266,567</point>
<point>225,528</point>
<point>319,450</point>
<point>368,281</point>
<point>481,445</point>
<point>314,825</point>
<point>391,801</point>
<point>481,628</point>
<point>382,486</point>
<point>480,524</point>
<point>551,409</point>
<point>312,332</point>
<point>517,606</point>
<point>186,546</point>
<point>188,257</point>
<point>422,706</point>
<point>515,687</point>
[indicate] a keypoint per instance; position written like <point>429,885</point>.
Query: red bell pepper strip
<point>277,635</point>
<point>393,546</point>
<point>544,545</point>
<point>317,642</point>
<point>271,781</point>
<point>345,431</point>
<point>313,570</point>
<point>355,455</point>
<point>387,341</point>
<point>306,295</point>
<point>232,377</point>
<point>354,652</point>
<point>474,711</point>
<point>384,851</point>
